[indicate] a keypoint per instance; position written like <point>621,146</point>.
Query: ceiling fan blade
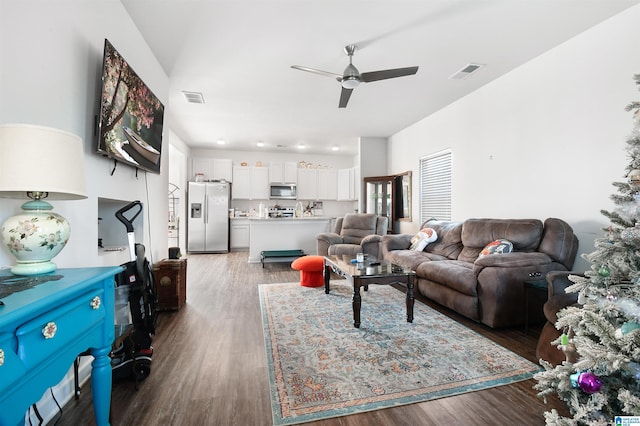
<point>367,77</point>
<point>319,72</point>
<point>344,97</point>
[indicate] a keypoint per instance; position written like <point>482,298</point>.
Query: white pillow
<point>423,238</point>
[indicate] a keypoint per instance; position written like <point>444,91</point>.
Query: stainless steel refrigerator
<point>208,222</point>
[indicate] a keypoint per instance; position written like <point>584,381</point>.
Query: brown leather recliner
<point>558,299</point>
<point>353,233</point>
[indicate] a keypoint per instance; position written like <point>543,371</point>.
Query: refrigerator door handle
<point>206,208</point>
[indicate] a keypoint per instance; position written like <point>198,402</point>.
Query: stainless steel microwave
<point>283,192</point>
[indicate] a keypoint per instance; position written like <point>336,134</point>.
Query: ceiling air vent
<point>466,71</point>
<point>194,97</point>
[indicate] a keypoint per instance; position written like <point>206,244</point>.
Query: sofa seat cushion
<point>345,249</point>
<point>410,258</point>
<point>455,274</point>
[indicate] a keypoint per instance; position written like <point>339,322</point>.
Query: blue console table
<point>42,330</point>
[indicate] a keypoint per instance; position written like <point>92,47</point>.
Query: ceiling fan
<point>351,77</point>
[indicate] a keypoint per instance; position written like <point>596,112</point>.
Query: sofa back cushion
<point>357,226</point>
<point>449,242</point>
<point>525,234</point>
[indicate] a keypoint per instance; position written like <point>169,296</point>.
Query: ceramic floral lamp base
<point>34,237</point>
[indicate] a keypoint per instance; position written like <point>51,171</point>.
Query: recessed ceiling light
<point>335,148</point>
<point>301,146</point>
<point>260,144</point>
<point>221,142</point>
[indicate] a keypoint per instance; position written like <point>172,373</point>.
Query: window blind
<point>435,186</point>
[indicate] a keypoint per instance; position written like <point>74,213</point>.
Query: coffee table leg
<point>410,299</point>
<point>357,301</point>
<point>327,275</point>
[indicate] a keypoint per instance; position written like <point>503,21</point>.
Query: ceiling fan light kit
<point>350,82</point>
<point>351,77</point>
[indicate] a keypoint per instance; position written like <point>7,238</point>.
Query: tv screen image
<point>131,116</point>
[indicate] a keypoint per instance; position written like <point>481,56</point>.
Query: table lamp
<point>38,163</point>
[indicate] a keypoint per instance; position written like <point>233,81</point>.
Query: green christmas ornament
<point>604,271</point>
<point>628,327</point>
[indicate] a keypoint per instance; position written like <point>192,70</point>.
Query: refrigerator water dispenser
<point>196,210</point>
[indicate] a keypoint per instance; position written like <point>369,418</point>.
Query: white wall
<point>545,140</point>
<point>50,61</point>
<point>178,166</point>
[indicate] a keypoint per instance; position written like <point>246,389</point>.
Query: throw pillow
<point>496,247</point>
<point>423,238</point>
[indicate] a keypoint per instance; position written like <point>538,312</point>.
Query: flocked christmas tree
<point>600,379</point>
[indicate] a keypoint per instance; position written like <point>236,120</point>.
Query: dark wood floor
<point>209,365</point>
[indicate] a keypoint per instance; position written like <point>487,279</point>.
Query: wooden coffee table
<point>370,271</point>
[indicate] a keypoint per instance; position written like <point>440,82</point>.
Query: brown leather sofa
<point>488,289</point>
<point>557,282</point>
<point>353,233</point>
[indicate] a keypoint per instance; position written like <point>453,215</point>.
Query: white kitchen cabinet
<point>307,184</point>
<point>213,168</point>
<point>223,169</point>
<point>250,183</point>
<point>286,172</point>
<point>239,233</point>
<point>327,184</point>
<point>346,188</point>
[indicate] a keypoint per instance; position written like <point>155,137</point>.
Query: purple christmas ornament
<point>589,382</point>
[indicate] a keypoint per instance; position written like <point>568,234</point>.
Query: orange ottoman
<point>310,268</point>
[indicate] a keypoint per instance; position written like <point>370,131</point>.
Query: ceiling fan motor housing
<point>350,77</point>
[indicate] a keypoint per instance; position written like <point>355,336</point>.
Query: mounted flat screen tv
<point>131,116</point>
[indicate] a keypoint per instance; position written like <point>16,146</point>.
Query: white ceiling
<point>238,55</point>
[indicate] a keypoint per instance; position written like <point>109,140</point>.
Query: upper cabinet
<point>283,172</point>
<point>307,184</point>
<point>317,184</point>
<point>327,184</point>
<point>250,183</point>
<point>347,189</point>
<point>213,168</point>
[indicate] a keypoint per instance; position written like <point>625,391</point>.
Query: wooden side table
<point>170,278</point>
<point>532,284</point>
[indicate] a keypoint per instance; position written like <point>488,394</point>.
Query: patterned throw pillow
<point>422,238</point>
<point>496,247</point>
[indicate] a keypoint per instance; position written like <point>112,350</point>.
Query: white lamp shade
<point>37,158</point>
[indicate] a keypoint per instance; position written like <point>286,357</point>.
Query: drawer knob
<point>95,303</point>
<point>1,357</point>
<point>49,330</point>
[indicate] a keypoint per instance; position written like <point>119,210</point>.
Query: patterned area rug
<point>321,366</point>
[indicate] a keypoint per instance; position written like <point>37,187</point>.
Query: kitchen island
<point>285,234</point>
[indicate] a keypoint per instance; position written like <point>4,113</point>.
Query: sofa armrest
<point>511,260</point>
<point>371,245</point>
<point>558,281</point>
<point>325,240</point>
<point>394,242</point>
